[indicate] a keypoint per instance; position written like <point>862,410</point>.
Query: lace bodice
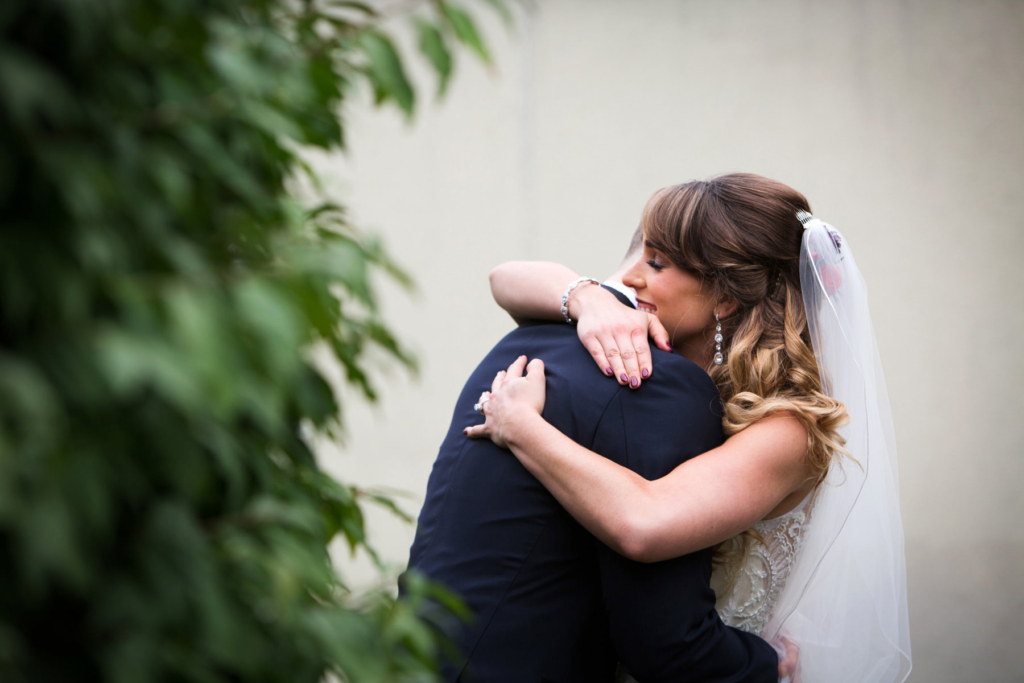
<point>758,581</point>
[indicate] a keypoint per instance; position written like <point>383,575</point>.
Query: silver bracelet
<point>568,291</point>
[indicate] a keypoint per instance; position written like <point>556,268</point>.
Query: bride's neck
<point>696,350</point>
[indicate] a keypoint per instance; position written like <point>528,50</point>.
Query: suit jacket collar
<point>623,299</point>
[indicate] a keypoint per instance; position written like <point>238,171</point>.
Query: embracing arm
<point>615,335</point>
<point>532,289</point>
<point>703,501</point>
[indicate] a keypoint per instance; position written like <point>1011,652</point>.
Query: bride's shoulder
<point>779,436</point>
<point>783,425</point>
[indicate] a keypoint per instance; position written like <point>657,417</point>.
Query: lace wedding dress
<point>747,594</point>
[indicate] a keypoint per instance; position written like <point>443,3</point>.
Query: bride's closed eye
<point>655,263</point>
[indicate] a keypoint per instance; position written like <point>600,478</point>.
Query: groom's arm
<point>661,615</point>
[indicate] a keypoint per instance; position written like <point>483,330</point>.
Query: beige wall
<point>903,123</point>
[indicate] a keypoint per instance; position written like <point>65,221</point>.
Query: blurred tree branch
<point>161,515</point>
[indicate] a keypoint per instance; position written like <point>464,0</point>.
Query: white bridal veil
<point>845,603</point>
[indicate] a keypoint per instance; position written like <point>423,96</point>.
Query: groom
<point>552,603</point>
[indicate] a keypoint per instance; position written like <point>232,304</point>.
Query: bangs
<point>671,223</point>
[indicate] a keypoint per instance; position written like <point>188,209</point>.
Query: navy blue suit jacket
<point>551,602</point>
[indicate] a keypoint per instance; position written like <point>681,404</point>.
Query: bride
<point>801,501</point>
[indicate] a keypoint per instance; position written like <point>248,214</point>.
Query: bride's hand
<point>616,335</point>
<point>511,402</point>
<point>787,666</point>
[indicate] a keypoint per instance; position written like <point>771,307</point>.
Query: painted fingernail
<point>634,382</point>
<point>644,373</point>
<point>623,378</point>
<point>466,431</point>
<point>608,371</point>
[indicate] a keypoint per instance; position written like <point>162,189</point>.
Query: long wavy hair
<point>739,232</point>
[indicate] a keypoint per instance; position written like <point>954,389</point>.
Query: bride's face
<point>674,295</point>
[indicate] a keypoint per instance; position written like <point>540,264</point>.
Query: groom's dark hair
<point>635,245</point>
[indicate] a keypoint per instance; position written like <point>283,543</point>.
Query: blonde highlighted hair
<point>740,234</point>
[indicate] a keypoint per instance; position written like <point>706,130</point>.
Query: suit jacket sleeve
<point>661,615</point>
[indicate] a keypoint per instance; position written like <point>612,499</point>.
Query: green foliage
<point>161,515</point>
<point>465,29</point>
<point>432,45</point>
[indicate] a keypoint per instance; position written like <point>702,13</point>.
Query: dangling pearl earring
<point>718,340</point>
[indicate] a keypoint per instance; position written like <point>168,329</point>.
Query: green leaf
<point>228,167</point>
<point>231,58</point>
<point>432,45</point>
<point>388,504</point>
<point>271,120</point>
<point>27,397</point>
<point>350,4</point>
<point>269,511</point>
<point>50,548</point>
<point>132,362</point>
<point>29,88</point>
<point>501,7</point>
<point>465,29</point>
<point>278,326</point>
<point>385,70</point>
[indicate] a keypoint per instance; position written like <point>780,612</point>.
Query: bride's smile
<point>679,299</point>
<point>646,306</point>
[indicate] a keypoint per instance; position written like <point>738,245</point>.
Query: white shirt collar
<point>622,289</point>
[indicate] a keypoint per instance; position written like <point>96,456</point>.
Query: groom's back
<point>492,533</point>
<point>537,582</point>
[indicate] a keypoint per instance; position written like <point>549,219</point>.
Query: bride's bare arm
<point>704,501</point>
<point>532,289</point>
<point>615,335</point>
